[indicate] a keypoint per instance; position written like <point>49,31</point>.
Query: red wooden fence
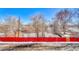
<point>40,39</point>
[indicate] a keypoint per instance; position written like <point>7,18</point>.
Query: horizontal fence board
<point>39,39</point>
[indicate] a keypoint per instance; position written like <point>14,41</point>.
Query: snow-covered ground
<point>40,46</point>
<point>34,35</point>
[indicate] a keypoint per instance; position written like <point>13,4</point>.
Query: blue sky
<point>26,13</point>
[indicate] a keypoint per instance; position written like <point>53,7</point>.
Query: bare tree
<point>13,23</point>
<point>61,20</point>
<point>77,16</point>
<point>56,28</point>
<point>64,17</point>
<point>39,24</point>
